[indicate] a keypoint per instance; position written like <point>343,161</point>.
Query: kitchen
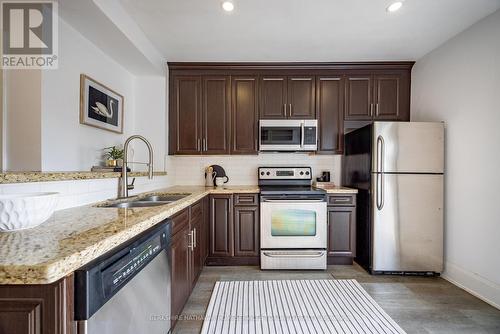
<point>185,181</point>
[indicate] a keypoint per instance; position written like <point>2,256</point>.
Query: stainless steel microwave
<point>288,135</point>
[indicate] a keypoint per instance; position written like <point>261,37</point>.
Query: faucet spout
<point>124,186</point>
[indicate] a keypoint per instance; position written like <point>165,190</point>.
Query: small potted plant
<point>113,156</point>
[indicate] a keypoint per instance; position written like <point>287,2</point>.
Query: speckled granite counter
<point>76,236</point>
<point>341,190</point>
<point>24,177</point>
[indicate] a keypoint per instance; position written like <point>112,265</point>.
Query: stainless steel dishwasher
<point>127,290</point>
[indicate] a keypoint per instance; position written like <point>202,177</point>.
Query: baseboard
<point>473,283</point>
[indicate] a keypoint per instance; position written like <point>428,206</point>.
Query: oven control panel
<point>285,173</point>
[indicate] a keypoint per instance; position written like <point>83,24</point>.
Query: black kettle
<point>219,172</point>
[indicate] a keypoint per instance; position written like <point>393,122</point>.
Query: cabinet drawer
<point>197,209</point>
<point>341,200</point>
<point>246,199</point>
<point>180,221</point>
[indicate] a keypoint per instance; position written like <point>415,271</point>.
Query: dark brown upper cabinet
<point>378,97</point>
<point>287,97</point>
<point>214,108</point>
<point>216,113</point>
<point>185,115</point>
<point>330,111</point>
<point>245,115</point>
<point>359,90</point>
<point>201,115</point>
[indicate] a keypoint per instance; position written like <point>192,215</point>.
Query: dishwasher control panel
<point>131,264</point>
<point>101,279</point>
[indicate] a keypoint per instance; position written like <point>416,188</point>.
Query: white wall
<point>22,120</point>
<point>242,170</point>
<point>66,144</point>
<point>150,118</point>
<point>459,83</point>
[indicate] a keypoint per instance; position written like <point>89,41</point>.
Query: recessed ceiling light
<point>395,6</point>
<point>228,6</point>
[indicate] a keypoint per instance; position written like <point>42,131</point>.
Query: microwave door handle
<point>302,135</point>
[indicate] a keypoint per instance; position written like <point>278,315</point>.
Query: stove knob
<point>261,173</point>
<point>268,173</point>
<point>301,173</point>
<point>307,173</point>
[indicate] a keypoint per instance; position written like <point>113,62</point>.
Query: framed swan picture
<point>100,106</point>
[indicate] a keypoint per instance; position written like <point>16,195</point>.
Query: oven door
<point>280,135</point>
<point>288,224</point>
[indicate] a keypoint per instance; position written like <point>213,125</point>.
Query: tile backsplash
<point>242,170</point>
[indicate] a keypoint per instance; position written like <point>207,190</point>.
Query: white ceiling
<point>302,30</point>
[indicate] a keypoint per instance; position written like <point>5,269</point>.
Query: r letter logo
<point>29,35</point>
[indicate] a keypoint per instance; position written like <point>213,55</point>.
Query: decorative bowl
<point>22,211</point>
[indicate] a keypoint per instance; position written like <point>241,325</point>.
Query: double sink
<point>147,201</point>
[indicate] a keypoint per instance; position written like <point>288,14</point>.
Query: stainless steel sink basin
<point>145,202</point>
<point>163,198</point>
<point>134,204</point>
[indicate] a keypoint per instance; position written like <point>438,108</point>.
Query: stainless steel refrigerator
<point>398,168</point>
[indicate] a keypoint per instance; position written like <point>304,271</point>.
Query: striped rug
<point>295,306</point>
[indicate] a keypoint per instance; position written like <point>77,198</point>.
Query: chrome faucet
<point>124,186</point>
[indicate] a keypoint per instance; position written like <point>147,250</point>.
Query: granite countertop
<point>73,237</point>
<point>76,236</point>
<point>341,190</point>
<point>23,177</point>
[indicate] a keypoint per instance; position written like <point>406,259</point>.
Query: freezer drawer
<point>408,147</point>
<point>407,218</point>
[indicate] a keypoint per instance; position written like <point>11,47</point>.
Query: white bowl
<point>21,211</point>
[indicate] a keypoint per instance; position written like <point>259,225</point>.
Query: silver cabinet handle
<point>376,109</point>
<point>371,109</point>
<point>290,106</point>
<point>194,238</point>
<point>198,145</point>
<point>284,109</point>
<point>342,200</point>
<point>190,244</point>
<point>205,144</point>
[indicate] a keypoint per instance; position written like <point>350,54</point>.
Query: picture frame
<point>100,106</point>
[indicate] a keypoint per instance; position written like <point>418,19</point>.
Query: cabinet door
<point>246,231</point>
<point>359,105</point>
<point>216,101</point>
<point>186,117</point>
<point>273,101</point>
<point>197,260</point>
<point>245,117</point>
<point>387,93</point>
<point>221,225</point>
<point>301,98</point>
<point>342,231</point>
<point>330,107</point>
<point>181,286</point>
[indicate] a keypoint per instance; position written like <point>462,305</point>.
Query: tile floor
<point>418,304</point>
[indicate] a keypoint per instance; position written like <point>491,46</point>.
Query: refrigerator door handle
<point>380,191</point>
<point>380,154</point>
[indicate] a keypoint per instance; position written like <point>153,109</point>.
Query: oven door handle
<point>293,200</point>
<point>309,254</point>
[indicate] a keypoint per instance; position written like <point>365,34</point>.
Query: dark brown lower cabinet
<point>234,230</point>
<point>188,251</point>
<point>37,309</point>
<point>341,229</point>
<point>246,231</point>
<point>181,284</point>
<point>221,225</point>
